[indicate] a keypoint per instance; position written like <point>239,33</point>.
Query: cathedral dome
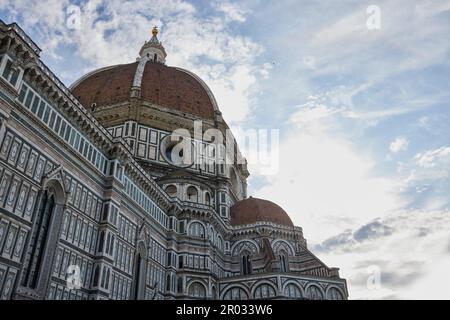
<point>170,87</point>
<point>253,210</point>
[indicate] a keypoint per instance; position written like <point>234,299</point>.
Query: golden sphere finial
<point>155,31</point>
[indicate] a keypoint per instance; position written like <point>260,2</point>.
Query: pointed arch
<point>235,292</point>
<point>196,289</point>
<point>293,290</point>
<point>247,244</point>
<point>264,290</point>
<point>45,234</point>
<point>280,244</point>
<point>314,292</point>
<point>334,293</point>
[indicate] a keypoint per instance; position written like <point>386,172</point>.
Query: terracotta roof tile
<point>108,86</point>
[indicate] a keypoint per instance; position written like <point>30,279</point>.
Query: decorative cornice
<point>49,84</point>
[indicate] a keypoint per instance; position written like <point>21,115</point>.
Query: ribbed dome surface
<point>161,85</point>
<point>253,210</point>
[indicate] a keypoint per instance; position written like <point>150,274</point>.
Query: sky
<point>360,98</point>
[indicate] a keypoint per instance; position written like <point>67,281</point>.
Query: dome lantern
<point>153,50</point>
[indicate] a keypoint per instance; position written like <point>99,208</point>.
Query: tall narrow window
<point>38,241</point>
<point>246,264</point>
<point>138,274</point>
<point>100,242</point>
<point>96,276</point>
<point>107,280</point>
<point>168,278</point>
<point>284,262</point>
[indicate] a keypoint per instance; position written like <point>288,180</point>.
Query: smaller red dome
<point>253,210</point>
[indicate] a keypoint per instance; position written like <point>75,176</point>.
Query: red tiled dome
<point>252,210</point>
<point>105,86</point>
<point>169,87</point>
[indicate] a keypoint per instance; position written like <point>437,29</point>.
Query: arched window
<point>314,293</point>
<point>197,290</point>
<point>235,293</point>
<point>171,190</point>
<point>155,57</point>
<point>192,194</point>
<point>38,240</point>
<point>246,263</point>
<point>211,233</point>
<point>292,291</point>
<point>264,291</point>
<point>207,198</point>
<point>196,229</point>
<point>334,294</point>
<point>284,261</point>
<point>220,243</point>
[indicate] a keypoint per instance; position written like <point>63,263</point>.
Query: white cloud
<point>430,166</point>
<point>424,122</point>
<point>265,70</point>
<point>233,11</point>
<point>310,62</point>
<point>325,183</point>
<point>433,158</point>
<point>434,285</point>
<point>395,35</point>
<point>312,111</point>
<point>340,47</point>
<point>399,144</point>
<point>411,257</point>
<point>425,179</point>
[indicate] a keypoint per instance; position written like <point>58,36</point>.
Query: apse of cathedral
<point>94,205</point>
